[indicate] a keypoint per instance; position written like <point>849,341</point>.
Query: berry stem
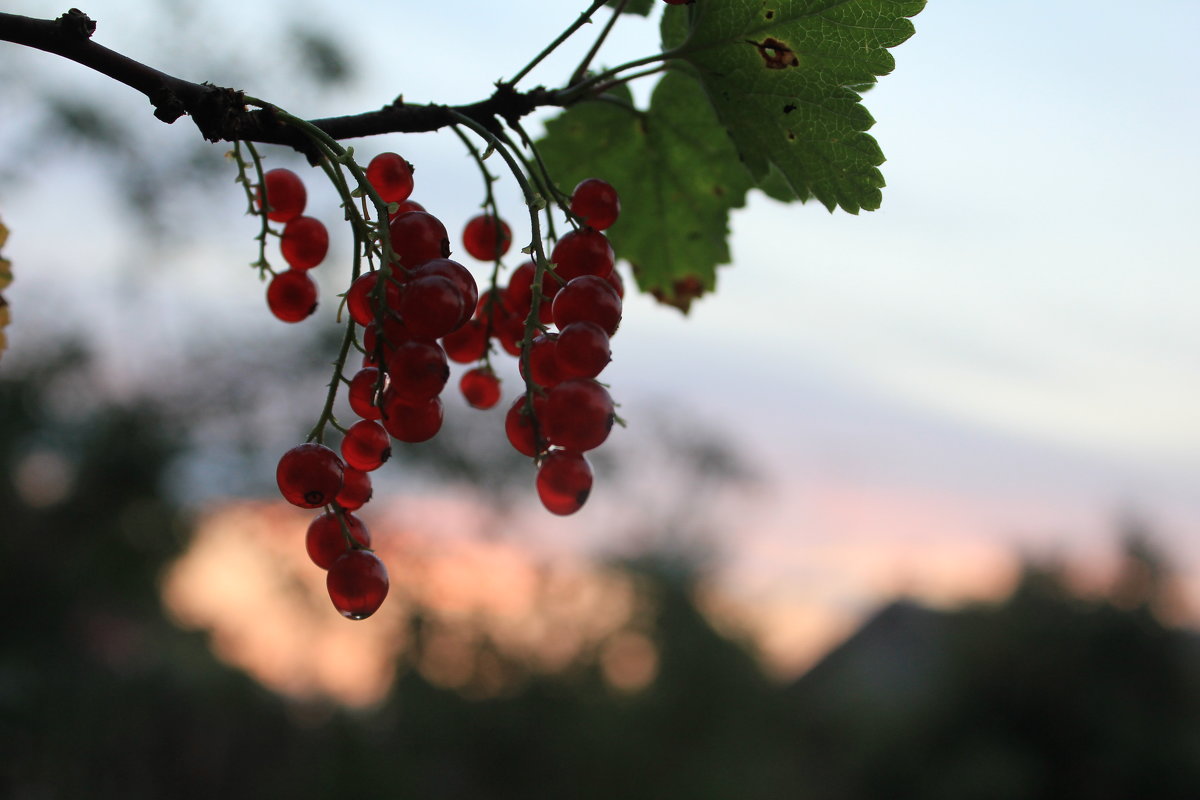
<point>588,86</point>
<point>537,180</point>
<point>581,70</point>
<point>535,203</point>
<point>262,264</point>
<point>584,18</point>
<point>558,196</point>
<point>490,205</point>
<point>318,431</point>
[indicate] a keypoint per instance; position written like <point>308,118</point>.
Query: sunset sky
<point>1000,362</point>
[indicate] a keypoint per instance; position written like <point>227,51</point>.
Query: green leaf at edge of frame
<point>785,78</point>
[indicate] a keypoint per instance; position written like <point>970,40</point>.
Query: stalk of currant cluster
<point>412,311</point>
<point>5,280</point>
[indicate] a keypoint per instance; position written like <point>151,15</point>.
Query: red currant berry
<point>364,394</point>
<point>405,207</point>
<point>583,350</point>
<point>518,296</point>
<point>582,252</point>
<point>579,414</point>
<point>286,195</point>
<point>357,583</point>
<point>596,203</point>
<point>590,299</point>
<point>418,371</point>
<point>522,428</point>
<point>462,278</point>
<point>614,279</point>
<point>366,446</point>
<point>356,490</point>
<point>486,237</point>
<point>391,176</point>
<point>409,423</point>
<point>304,242</point>
<point>360,303</point>
<point>395,333</point>
<point>418,237</point>
<point>326,540</point>
<point>310,475</point>
<point>468,344</point>
<point>292,295</point>
<point>480,387</point>
<point>503,326</point>
<point>542,362</point>
<point>564,481</point>
<point>431,306</point>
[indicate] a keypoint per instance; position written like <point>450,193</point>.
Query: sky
<point>1000,362</point>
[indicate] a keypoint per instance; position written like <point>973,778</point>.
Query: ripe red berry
<point>564,481</point>
<point>363,394</point>
<point>304,242</point>
<point>326,540</point>
<point>431,306</point>
<point>486,237</point>
<point>518,296</point>
<point>357,583</point>
<point>615,280</point>
<point>405,207</point>
<point>462,278</point>
<point>418,371</point>
<point>480,387</point>
<point>543,365</point>
<point>309,475</point>
<point>467,344</point>
<point>366,445</point>
<point>359,301</point>
<point>286,195</point>
<point>418,237</point>
<point>391,176</point>
<point>356,489</point>
<point>582,252</point>
<point>579,414</point>
<point>395,333</point>
<point>522,429</point>
<point>596,203</point>
<point>292,295</point>
<point>583,350</point>
<point>590,299</point>
<point>412,424</point>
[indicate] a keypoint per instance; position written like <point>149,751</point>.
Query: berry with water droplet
<point>357,583</point>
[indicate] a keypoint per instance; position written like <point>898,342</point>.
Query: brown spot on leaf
<point>776,54</point>
<point>789,108</point>
<point>769,15</point>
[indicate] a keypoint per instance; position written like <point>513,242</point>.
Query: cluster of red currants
<point>304,241</point>
<point>581,298</point>
<point>419,312</point>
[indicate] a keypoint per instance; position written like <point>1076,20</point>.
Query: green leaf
<point>639,7</point>
<point>785,78</point>
<point>676,172</point>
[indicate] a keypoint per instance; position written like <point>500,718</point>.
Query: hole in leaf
<point>789,108</point>
<point>776,54</point>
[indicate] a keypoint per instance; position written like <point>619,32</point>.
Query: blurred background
<point>907,509</point>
